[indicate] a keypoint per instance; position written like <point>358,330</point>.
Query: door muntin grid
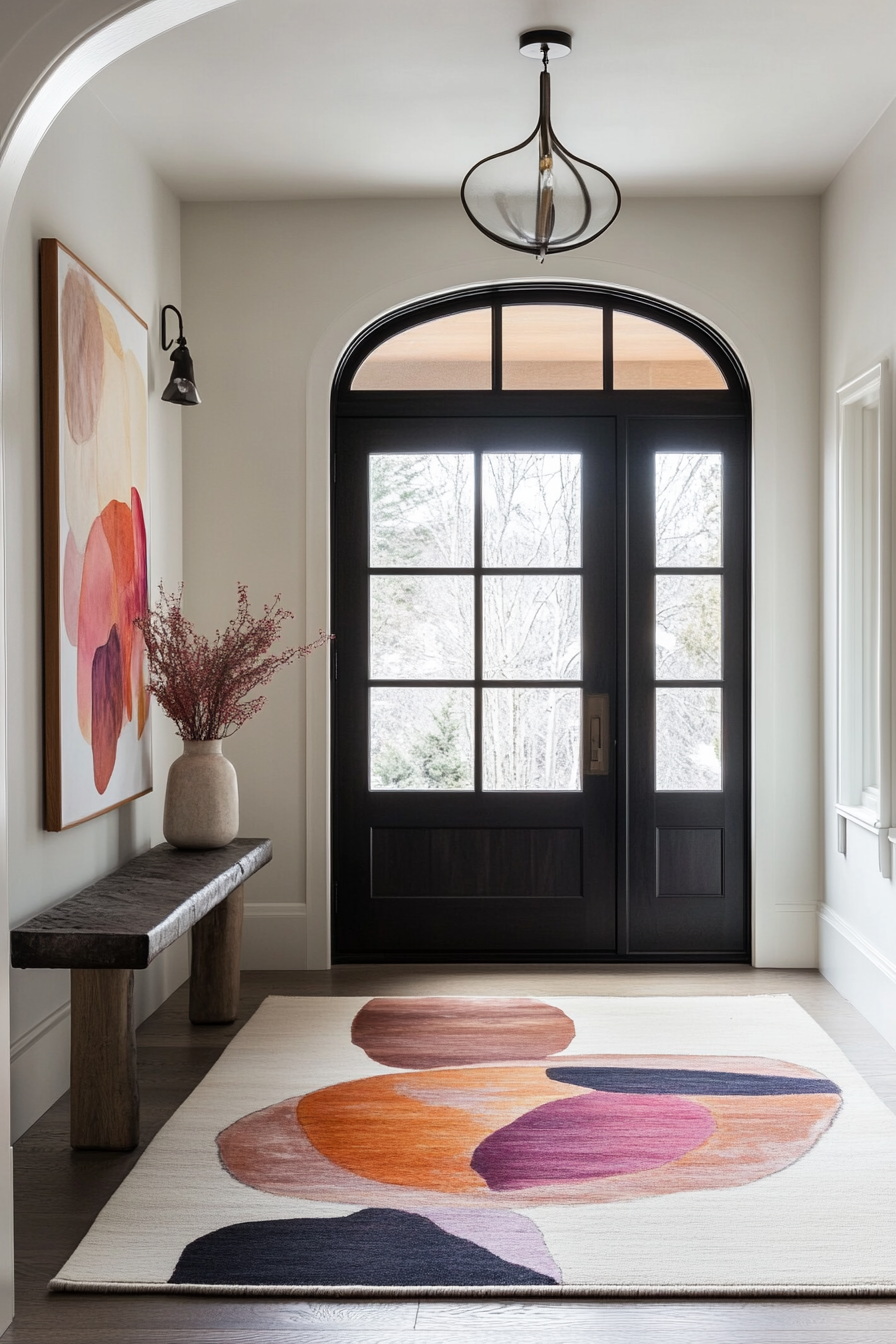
<point>505,715</point>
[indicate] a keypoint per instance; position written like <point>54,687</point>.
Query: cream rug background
<point>825,1225</point>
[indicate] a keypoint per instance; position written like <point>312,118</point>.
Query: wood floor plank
<point>59,1193</point>
<point>665,1335</point>
<point>91,1313</point>
<point>214,1336</point>
<point>743,1314</point>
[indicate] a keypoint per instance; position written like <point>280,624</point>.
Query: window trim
<point>870,390</point>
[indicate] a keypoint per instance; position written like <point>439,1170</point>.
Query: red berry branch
<point>202,685</point>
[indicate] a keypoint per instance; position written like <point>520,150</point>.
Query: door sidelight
<point>597,734</point>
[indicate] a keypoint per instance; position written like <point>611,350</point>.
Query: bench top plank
<point>128,918</point>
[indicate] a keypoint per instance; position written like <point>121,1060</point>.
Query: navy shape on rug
<point>375,1247</point>
<point>691,1082</point>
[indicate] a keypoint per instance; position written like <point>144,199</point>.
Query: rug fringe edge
<point>59,1285</point>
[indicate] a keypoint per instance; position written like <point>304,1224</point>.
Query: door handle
<point>597,734</point>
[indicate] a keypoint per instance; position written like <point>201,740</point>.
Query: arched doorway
<point>541,579</point>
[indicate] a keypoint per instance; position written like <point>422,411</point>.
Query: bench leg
<point>215,969</point>
<point>105,1107</point>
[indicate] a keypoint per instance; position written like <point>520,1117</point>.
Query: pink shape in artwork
<point>134,603</point>
<point>116,520</point>
<point>72,570</point>
<point>83,358</point>
<point>113,592</point>
<point>97,613</point>
<point>580,1138</point>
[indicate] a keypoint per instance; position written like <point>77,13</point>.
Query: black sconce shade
<point>181,389</point>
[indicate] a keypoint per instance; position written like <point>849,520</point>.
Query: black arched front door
<point>540,507</point>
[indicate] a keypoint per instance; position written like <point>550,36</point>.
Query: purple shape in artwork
<point>107,709</point>
<point>507,1234</point>
<point>583,1138</point>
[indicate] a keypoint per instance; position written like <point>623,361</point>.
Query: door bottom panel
<point>476,863</point>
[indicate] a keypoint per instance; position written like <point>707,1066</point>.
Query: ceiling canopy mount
<point>557,40</point>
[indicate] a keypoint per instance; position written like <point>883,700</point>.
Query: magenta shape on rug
<point>580,1138</point>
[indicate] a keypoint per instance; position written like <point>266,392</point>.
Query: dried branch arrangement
<point>202,684</point>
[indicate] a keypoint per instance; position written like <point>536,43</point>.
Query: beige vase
<point>202,806</point>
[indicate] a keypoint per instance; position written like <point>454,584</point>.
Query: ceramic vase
<point>201,800</point>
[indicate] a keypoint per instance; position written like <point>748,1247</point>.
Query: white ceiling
<point>316,98</point>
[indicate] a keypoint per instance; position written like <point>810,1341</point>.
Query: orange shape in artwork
<point>97,613</point>
<point>119,529</point>
<point>422,1129</point>
<point>110,651</point>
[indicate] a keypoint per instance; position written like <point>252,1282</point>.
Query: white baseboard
<point>273,937</point>
<point>40,1057</point>
<point>39,1068</point>
<point>858,970</point>
<point>785,936</point>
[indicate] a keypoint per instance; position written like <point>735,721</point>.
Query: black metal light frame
<point>182,376</point>
<point>541,40</point>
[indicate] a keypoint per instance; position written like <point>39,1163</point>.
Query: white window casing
<point>864,526</point>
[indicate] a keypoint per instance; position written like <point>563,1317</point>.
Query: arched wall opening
<point>540,364</point>
<point>749,268</point>
<point>51,51</point>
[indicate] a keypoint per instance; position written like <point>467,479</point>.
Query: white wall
<point>89,187</point>
<point>273,292</point>
<point>858,920</point>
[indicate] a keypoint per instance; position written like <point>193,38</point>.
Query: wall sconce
<point>181,389</point>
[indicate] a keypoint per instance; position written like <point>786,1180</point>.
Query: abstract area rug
<point>512,1147</point>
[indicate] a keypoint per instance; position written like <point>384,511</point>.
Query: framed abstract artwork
<point>95,523</point>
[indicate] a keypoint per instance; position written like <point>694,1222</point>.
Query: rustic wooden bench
<point>118,925</point>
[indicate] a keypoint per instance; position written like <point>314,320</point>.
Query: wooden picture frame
<point>94,381</point>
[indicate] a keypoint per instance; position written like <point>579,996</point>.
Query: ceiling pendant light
<point>538,197</point>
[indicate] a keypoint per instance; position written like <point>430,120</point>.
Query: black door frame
<point>625,406</point>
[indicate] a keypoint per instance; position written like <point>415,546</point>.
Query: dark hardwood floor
<point>59,1193</point>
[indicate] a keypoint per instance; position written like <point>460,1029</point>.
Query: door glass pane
<point>421,510</point>
<point>532,627</point>
<point>688,627</point>
<point>531,510</point>
<point>650,355</point>
<point>547,346</point>
<point>450,353</point>
<point>531,739</point>
<point>421,625</point>
<point>689,738</point>
<point>688,509</point>
<point>421,737</point>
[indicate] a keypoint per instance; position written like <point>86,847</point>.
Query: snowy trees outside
<point>688,510</point>
<point>688,621</point>
<point>422,626</point>
<point>421,737</point>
